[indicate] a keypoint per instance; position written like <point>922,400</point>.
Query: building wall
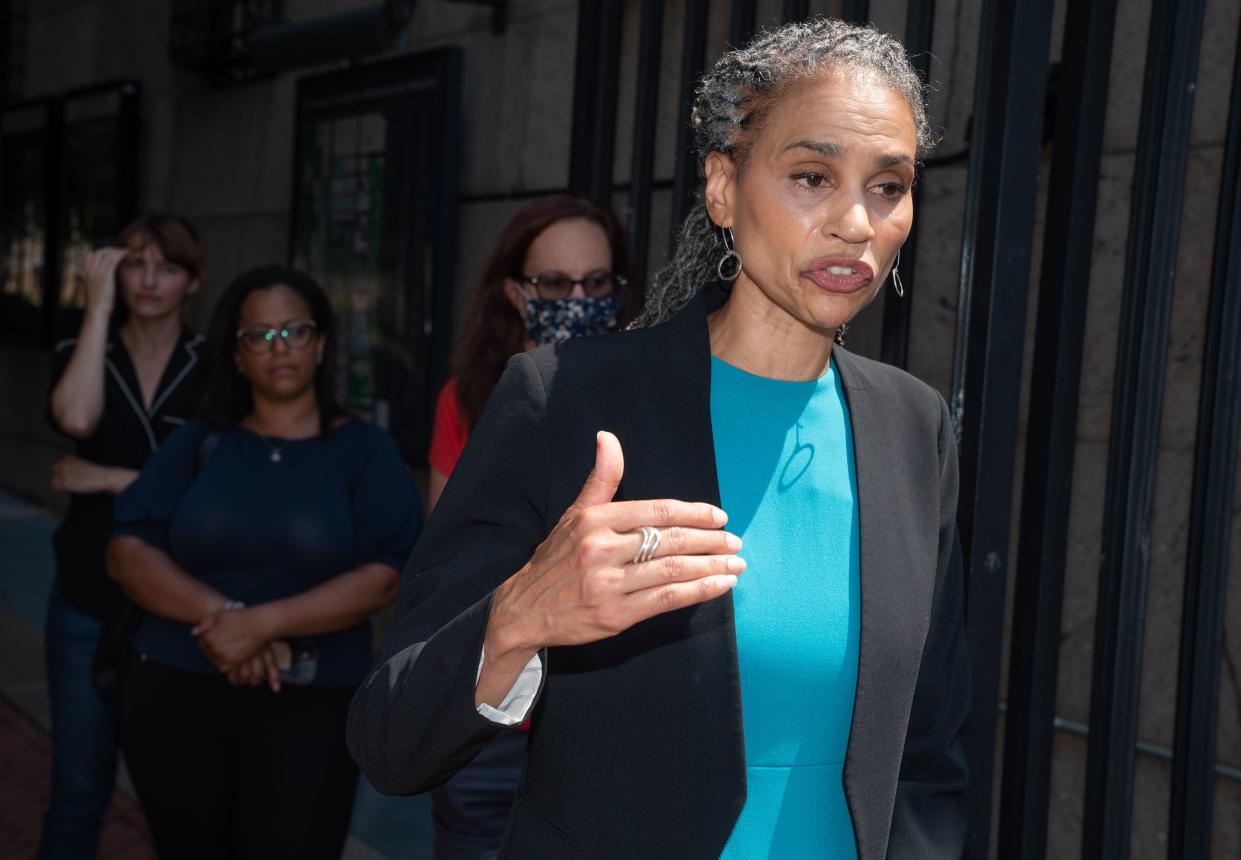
<point>222,157</point>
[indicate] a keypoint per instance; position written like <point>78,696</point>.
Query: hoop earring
<point>896,275</point>
<point>730,253</point>
<point>842,332</point>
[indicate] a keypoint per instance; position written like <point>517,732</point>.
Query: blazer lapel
<point>885,635</point>
<point>678,377</point>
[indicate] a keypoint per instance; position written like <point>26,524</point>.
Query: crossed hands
<point>237,643</point>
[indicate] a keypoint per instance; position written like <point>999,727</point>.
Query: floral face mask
<point>556,320</point>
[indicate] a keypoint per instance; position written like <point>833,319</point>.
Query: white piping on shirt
<point>191,349</point>
<point>133,402</point>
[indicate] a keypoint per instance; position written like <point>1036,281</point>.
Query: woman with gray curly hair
<point>793,685</point>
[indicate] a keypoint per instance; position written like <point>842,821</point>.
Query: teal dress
<point>784,455</point>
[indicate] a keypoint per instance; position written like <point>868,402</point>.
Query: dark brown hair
<point>493,330</point>
<point>177,241</point>
<point>173,235</point>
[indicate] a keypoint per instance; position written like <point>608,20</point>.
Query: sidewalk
<point>383,828</point>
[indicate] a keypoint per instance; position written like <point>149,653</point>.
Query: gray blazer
<point>636,749</point>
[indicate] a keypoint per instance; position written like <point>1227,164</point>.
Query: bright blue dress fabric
<point>784,455</point>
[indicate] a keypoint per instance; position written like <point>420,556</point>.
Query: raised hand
<point>583,584</point>
<point>99,275</point>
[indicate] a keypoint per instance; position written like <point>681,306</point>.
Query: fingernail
<point>728,581</point>
<point>733,542</point>
<point>719,517</point>
<point>735,564</point>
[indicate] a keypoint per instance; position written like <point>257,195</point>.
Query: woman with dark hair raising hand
<point>259,541</point>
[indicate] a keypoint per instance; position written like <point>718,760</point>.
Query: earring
<point>842,332</point>
<point>896,275</point>
<point>730,253</point>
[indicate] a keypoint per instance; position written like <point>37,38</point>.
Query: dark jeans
<point>237,772</point>
<point>83,737</point>
<point>471,809</point>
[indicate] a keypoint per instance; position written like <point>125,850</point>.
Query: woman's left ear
<point>514,296</point>
<point>718,194</point>
<point>320,342</point>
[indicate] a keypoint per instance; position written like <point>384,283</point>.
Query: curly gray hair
<point>731,103</point>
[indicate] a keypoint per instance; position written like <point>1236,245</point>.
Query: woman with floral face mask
<point>558,271</point>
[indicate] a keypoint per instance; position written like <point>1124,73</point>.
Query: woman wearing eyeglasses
<point>259,540</point>
<point>557,271</point>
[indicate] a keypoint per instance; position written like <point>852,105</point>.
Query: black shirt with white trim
<point>125,438</point>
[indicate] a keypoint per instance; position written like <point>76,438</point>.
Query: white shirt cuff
<point>516,704</point>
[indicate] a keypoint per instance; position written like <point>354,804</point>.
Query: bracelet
<point>233,604</point>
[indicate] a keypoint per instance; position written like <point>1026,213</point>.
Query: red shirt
<point>449,434</point>
<point>448,438</point>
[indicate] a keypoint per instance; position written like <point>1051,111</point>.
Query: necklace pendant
<point>275,456</point>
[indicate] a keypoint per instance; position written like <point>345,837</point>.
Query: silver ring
<point>651,539</point>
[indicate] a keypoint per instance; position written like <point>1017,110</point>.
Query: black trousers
<point>471,810</point>
<point>237,772</point>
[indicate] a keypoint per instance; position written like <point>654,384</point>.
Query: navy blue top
<point>788,480</point>
<point>259,530</point>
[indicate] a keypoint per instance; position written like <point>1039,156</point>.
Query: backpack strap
<point>205,449</point>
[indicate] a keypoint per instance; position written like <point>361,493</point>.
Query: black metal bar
<point>650,40</point>
<point>612,16</point>
<point>855,11</point>
<point>7,29</point>
<point>448,95</point>
<point>741,17</point>
<point>1210,520</point>
<point>129,134</point>
<point>1137,405</point>
<point>53,240</point>
<point>585,89</point>
<point>1011,80</point>
<point>795,10</point>
<point>1052,432</point>
<point>894,347</point>
<point>693,58</point>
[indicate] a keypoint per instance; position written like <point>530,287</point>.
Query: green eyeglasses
<point>296,335</point>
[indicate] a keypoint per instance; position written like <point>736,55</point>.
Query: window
<point>374,217</point>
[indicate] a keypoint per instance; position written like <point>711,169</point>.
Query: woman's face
<point>822,206</point>
<point>279,368</point>
<point>574,247</point>
<point>151,286</point>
